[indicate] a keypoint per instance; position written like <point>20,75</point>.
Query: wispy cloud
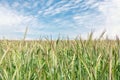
<point>111,13</point>
<point>73,5</point>
<point>51,17</point>
<point>11,22</point>
<point>61,6</point>
<point>49,2</point>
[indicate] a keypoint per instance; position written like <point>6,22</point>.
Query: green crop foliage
<point>60,59</point>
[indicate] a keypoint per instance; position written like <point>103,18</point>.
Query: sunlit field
<point>60,59</point>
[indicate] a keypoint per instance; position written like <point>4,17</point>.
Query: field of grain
<point>60,59</point>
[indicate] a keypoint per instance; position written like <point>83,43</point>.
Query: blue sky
<point>53,17</point>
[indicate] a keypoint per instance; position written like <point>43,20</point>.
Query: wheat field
<point>60,59</point>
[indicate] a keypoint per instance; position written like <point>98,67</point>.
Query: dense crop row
<point>60,60</point>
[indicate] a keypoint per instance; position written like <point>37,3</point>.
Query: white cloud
<point>62,6</point>
<point>36,3</point>
<point>111,12</point>
<point>66,5</point>
<point>12,22</point>
<point>10,17</point>
<point>108,20</point>
<point>49,2</point>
